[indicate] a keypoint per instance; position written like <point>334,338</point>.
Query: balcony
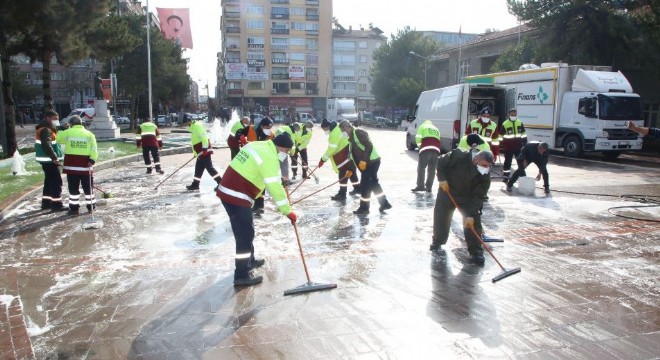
<point>233,46</point>
<point>279,1</point>
<point>279,91</point>
<point>233,60</point>
<point>232,14</point>
<point>312,32</point>
<point>311,77</point>
<point>233,30</point>
<point>311,2</point>
<point>279,31</point>
<point>231,2</point>
<point>279,47</point>
<point>280,76</point>
<point>311,92</point>
<point>310,17</point>
<point>279,61</point>
<point>279,16</point>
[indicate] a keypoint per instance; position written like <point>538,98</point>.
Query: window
<point>363,58</point>
<point>255,24</point>
<point>343,75</point>
<point>297,56</point>
<point>254,85</point>
<point>311,44</point>
<point>362,87</point>
<point>255,55</point>
<point>362,73</point>
<point>312,26</point>
<point>233,57</point>
<point>362,44</point>
<point>279,41</point>
<point>298,86</point>
<point>297,41</point>
<point>281,88</point>
<point>234,85</point>
<point>343,45</point>
<point>257,40</point>
<point>234,42</point>
<point>312,59</point>
<point>255,69</point>
<point>346,60</point>
<point>295,25</point>
<point>57,76</point>
<point>280,71</point>
<point>279,12</point>
<point>255,9</point>
<point>297,11</point>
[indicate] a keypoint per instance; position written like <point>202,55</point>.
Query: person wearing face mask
<point>257,132</point>
<point>292,130</point>
<point>49,154</point>
<point>473,143</point>
<point>513,137</point>
<point>364,154</point>
<point>233,141</point>
<point>467,180</point>
<point>338,153</point>
<point>533,152</point>
<point>254,169</point>
<point>487,129</point>
<point>201,147</point>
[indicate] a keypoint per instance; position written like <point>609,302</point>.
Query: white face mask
<point>513,118</point>
<point>483,170</point>
<point>55,123</point>
<point>266,132</point>
<point>281,156</point>
<point>485,120</point>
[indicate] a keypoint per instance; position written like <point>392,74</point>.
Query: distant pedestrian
<point>466,179</point>
<point>533,152</point>
<point>80,154</point>
<point>201,148</point>
<point>302,142</point>
<point>513,137</point>
<point>652,133</point>
<point>364,155</point>
<point>49,154</point>
<point>428,141</point>
<point>148,137</point>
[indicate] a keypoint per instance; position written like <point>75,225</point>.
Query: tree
<point>581,31</point>
<point>396,76</point>
<point>516,55</point>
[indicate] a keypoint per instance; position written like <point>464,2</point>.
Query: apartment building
<point>276,56</point>
<point>352,57</point>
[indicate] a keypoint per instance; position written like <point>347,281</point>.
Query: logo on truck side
<point>541,96</point>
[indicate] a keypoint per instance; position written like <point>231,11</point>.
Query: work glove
<point>321,162</point>
<point>292,216</point>
<point>243,140</point>
<point>349,173</point>
<point>362,165</point>
<point>468,222</point>
<point>444,185</point>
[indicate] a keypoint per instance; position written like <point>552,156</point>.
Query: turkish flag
<point>175,24</point>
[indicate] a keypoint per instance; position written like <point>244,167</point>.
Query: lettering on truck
<point>529,97</point>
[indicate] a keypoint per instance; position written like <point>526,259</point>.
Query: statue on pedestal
<point>98,89</point>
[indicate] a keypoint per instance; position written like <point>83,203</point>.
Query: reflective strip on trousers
<point>243,256</point>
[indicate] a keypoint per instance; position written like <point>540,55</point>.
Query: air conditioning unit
<point>273,91</point>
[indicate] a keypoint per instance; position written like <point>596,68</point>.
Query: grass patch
<point>12,186</point>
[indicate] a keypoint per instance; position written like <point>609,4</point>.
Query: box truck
<point>451,108</point>
<point>577,108</point>
<point>341,109</point>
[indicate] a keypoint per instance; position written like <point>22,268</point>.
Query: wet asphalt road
<point>156,281</point>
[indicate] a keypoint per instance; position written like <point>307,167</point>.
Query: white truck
<point>578,108</point>
<point>451,108</point>
<point>341,109</point>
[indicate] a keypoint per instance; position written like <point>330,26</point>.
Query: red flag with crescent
<point>175,24</point>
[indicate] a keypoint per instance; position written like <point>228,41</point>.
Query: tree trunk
<point>48,96</point>
<point>10,109</point>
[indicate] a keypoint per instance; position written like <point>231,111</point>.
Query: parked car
<point>122,120</point>
<point>162,120</point>
<point>86,114</point>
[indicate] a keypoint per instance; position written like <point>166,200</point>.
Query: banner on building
<point>296,72</point>
<point>175,24</point>
<point>235,71</point>
<point>106,89</point>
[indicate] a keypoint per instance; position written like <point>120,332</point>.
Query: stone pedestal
<point>102,126</point>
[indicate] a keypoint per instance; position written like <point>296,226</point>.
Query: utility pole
<point>425,59</point>
<point>3,121</point>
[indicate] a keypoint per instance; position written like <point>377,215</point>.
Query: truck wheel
<point>572,146</point>
<point>409,144</point>
<point>611,155</point>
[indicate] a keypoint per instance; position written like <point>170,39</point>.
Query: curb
<point>108,164</point>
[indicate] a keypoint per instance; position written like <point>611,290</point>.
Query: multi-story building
<point>450,38</point>
<point>352,57</point>
<point>275,55</point>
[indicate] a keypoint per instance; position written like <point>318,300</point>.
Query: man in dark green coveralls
<point>467,180</point>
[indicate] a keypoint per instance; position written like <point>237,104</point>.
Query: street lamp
<point>425,59</point>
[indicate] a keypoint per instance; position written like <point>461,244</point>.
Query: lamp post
<point>423,58</point>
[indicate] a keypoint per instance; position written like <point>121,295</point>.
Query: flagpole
<point>149,61</point>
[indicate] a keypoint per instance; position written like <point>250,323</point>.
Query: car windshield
<point>619,107</point>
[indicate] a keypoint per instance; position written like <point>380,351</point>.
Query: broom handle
<point>475,233</point>
<point>304,163</point>
<point>295,229</point>
<point>99,189</point>
<point>318,191</point>
<point>310,174</point>
<point>91,194</point>
<point>177,170</point>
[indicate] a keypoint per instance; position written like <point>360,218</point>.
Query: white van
<point>86,114</point>
<point>451,108</point>
<point>305,117</point>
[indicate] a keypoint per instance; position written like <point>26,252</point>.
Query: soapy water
<point>18,164</point>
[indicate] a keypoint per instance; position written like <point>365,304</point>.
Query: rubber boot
<point>355,191</point>
<point>194,186</point>
<point>341,195</point>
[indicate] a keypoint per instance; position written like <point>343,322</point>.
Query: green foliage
<point>110,36</point>
<point>397,77</point>
<point>514,56</point>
